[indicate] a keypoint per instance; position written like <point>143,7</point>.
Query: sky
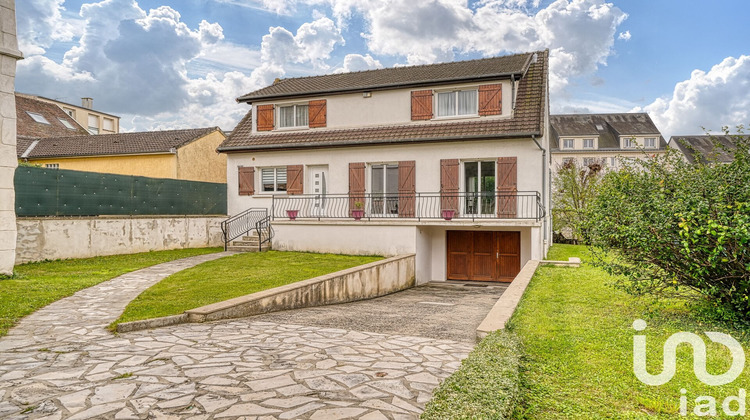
<point>166,64</point>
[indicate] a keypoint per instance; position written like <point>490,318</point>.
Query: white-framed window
<point>568,143</point>
<point>38,117</point>
<point>273,179</point>
<point>588,143</point>
<point>67,124</point>
<point>588,161</point>
<point>93,124</point>
<point>628,143</point>
<point>108,124</point>
<point>52,165</point>
<point>293,116</point>
<point>71,112</point>
<point>613,162</point>
<point>458,102</point>
<point>569,161</point>
<point>649,143</point>
<point>384,188</point>
<point>479,186</point>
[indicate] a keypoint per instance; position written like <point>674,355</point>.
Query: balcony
<point>464,206</point>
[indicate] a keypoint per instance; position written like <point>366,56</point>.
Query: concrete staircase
<point>249,243</point>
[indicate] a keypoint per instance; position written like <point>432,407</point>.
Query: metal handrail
<point>242,223</point>
<point>426,205</point>
<point>264,225</point>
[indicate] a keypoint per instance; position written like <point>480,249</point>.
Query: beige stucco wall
<point>199,161</point>
<point>83,237</point>
<point>559,157</point>
<point>383,107</point>
<point>156,166</point>
<point>9,54</point>
<point>81,115</point>
<point>344,238</point>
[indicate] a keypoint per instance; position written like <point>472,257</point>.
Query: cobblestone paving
<point>62,363</point>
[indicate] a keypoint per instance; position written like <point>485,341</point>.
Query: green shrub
<point>672,228</point>
<point>486,386</point>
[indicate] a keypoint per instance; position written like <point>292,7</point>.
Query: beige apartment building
<point>96,122</point>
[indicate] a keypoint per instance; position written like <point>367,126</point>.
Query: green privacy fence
<point>60,192</point>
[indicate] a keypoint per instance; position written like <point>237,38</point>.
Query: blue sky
<point>173,64</point>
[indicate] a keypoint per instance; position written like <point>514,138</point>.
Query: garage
<point>483,255</point>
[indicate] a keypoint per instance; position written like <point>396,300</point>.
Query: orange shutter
<point>246,180</point>
<point>406,188</point>
<point>421,105</point>
<point>294,178</point>
<point>356,185</point>
<point>265,117</point>
<point>316,112</point>
<point>491,99</point>
<point>507,187</point>
<point>449,184</point>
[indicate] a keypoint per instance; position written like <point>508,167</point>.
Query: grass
<point>484,387</point>
<point>577,336</point>
<point>35,285</point>
<point>231,277</point>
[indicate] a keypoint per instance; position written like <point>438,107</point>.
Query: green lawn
<point>35,285</point>
<point>577,338</point>
<point>231,277</point>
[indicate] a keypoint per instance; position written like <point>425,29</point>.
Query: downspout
<point>544,183</point>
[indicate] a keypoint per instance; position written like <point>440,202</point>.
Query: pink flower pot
<point>292,214</point>
<point>358,214</point>
<point>448,214</point>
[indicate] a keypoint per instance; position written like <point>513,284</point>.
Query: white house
<point>448,161</point>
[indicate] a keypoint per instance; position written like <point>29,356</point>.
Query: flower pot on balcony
<point>292,214</point>
<point>448,214</point>
<point>358,214</point>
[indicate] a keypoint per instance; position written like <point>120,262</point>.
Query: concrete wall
<point>9,54</point>
<point>199,161</point>
<point>364,282</point>
<point>344,237</point>
<point>61,238</point>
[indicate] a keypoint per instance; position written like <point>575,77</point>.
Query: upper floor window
<point>479,186</point>
<point>628,143</point>
<point>588,143</point>
<point>460,102</point>
<point>273,179</point>
<point>67,124</point>
<point>567,143</point>
<point>108,124</point>
<point>37,117</point>
<point>293,116</point>
<point>650,143</point>
<point>70,112</point>
<point>384,187</point>
<point>93,124</point>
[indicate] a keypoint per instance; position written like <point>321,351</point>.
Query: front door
<point>483,256</point>
<point>319,187</point>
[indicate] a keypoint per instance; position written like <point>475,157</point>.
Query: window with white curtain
<point>293,116</point>
<point>628,143</point>
<point>650,143</point>
<point>273,179</point>
<point>460,102</point>
<point>93,124</point>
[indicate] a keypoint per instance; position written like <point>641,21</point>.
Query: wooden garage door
<point>483,256</point>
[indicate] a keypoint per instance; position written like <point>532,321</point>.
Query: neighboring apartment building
<point>447,161</point>
<point>39,119</point>
<point>700,148</point>
<point>96,122</point>
<point>603,138</point>
<point>178,154</point>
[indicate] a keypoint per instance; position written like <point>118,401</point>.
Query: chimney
<point>87,103</point>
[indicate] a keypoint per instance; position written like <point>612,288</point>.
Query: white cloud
<point>40,23</point>
<point>713,99</point>
<point>624,36</point>
<point>358,62</point>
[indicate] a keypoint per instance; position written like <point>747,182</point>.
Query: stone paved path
<point>61,363</point>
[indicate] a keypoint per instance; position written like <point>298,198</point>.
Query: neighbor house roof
<point>112,144</point>
<point>487,68</point>
<point>26,126</point>
<point>527,120</point>
<point>607,127</point>
<point>719,148</point>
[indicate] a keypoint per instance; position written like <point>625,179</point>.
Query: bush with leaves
<point>573,188</point>
<point>672,228</point>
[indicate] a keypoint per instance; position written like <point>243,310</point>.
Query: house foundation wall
<point>61,238</point>
<point>343,238</point>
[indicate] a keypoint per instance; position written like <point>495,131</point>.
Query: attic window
<point>600,127</point>
<point>38,117</point>
<point>67,124</point>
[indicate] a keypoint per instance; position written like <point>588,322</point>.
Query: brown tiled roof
<point>720,148</point>
<point>429,74</point>
<point>27,127</point>
<point>607,127</point>
<point>527,120</point>
<point>117,144</point>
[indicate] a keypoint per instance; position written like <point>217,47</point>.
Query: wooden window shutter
<point>407,194</point>
<point>316,112</point>
<point>421,105</point>
<point>507,187</point>
<point>449,184</point>
<point>294,179</point>
<point>246,180</point>
<point>356,185</point>
<point>265,117</point>
<point>491,99</point>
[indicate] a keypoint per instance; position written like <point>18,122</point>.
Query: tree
<point>573,188</point>
<point>669,227</point>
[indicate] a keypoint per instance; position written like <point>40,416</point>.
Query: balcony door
<point>483,256</point>
<point>384,187</point>
<point>319,187</point>
<point>479,188</point>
